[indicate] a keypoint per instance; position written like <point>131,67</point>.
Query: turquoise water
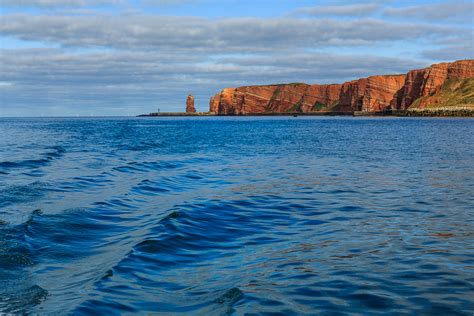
<point>229,215</point>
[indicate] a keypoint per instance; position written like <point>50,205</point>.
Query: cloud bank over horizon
<point>119,57</point>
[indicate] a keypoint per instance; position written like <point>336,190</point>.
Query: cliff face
<point>372,94</point>
<point>428,82</point>
<point>453,93</point>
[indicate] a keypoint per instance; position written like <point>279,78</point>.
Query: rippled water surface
<point>215,216</point>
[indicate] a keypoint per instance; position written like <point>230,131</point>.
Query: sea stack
<point>190,104</point>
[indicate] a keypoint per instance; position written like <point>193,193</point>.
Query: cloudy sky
<point>127,57</point>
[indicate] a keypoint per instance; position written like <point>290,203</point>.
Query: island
<point>444,89</point>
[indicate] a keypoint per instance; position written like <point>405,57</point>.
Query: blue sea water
<point>236,215</point>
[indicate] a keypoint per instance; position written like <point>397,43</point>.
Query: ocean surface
<point>237,215</point>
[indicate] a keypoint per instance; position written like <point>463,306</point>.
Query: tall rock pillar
<point>190,104</point>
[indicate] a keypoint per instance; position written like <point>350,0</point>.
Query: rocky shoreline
<point>434,112</point>
<point>164,114</point>
<point>440,112</point>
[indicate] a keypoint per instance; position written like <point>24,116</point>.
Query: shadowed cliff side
<point>372,94</point>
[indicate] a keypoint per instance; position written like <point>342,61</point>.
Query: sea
<point>237,216</point>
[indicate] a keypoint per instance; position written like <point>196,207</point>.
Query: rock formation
<point>190,104</point>
<point>429,81</point>
<point>372,94</point>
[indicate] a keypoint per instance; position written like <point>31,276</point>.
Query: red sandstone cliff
<point>372,94</point>
<point>428,81</point>
<point>190,104</point>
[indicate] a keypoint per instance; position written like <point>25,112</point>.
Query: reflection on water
<point>237,215</point>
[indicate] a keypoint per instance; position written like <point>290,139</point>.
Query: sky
<point>129,57</point>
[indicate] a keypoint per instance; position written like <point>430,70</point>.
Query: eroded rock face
<point>372,94</point>
<point>428,81</point>
<point>190,104</point>
<point>368,94</point>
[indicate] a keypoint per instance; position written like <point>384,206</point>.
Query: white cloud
<point>451,52</point>
<point>453,11</point>
<point>191,34</point>
<point>360,9</point>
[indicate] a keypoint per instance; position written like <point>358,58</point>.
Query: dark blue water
<point>215,216</point>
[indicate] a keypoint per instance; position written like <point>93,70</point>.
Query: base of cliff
<point>325,113</point>
<point>321,113</point>
<point>164,114</point>
<point>439,112</point>
<point>430,112</point>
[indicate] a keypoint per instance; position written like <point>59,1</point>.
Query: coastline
<point>440,90</point>
<point>161,114</point>
<point>427,112</point>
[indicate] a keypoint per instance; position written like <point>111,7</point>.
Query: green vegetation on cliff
<point>276,94</point>
<point>318,106</point>
<point>296,107</point>
<point>453,93</point>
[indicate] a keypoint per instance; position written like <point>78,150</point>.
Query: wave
<point>44,160</point>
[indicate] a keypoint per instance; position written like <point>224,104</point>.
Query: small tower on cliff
<point>190,104</point>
